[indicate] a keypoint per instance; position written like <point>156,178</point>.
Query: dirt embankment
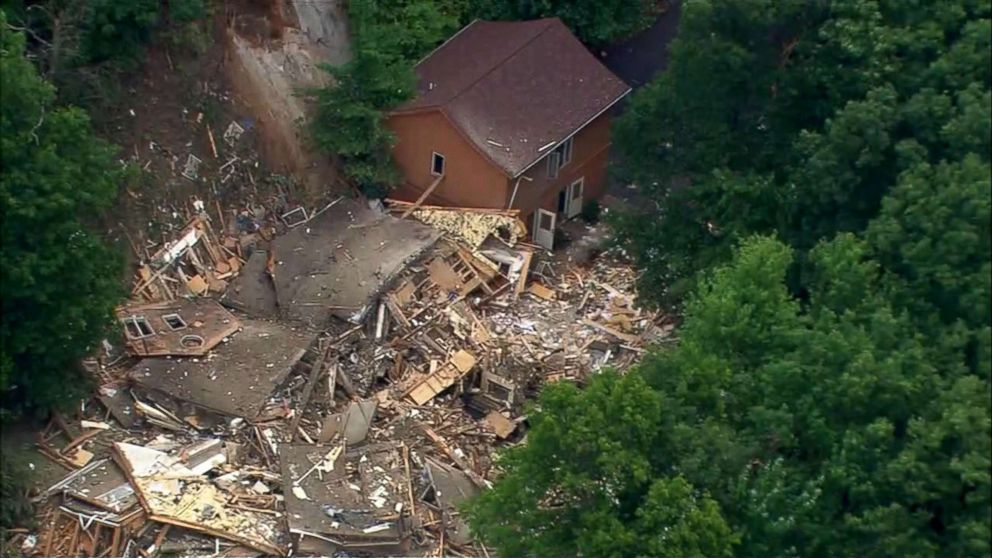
<point>270,72</point>
<point>243,69</point>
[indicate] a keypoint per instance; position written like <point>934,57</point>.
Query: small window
<point>437,164</point>
<point>566,152</point>
<point>137,327</point>
<point>174,321</point>
<point>545,223</point>
<point>559,158</point>
<point>554,163</point>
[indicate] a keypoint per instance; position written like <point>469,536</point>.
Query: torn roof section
<point>515,88</point>
<point>183,327</point>
<point>356,505</point>
<point>237,377</point>
<point>335,265</point>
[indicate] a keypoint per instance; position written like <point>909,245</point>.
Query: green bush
<point>185,11</point>
<point>15,482</point>
<point>595,22</point>
<point>590,212</point>
<point>118,29</point>
<point>60,280</point>
<point>388,37</point>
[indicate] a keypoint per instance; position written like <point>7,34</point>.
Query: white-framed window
<point>554,163</point>
<point>437,163</point>
<point>566,152</point>
<point>174,321</point>
<point>137,327</point>
<point>560,157</point>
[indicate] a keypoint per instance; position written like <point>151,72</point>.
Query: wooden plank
<point>524,271</point>
<point>541,291</point>
<point>397,205</point>
<point>631,339</point>
<point>396,312</point>
<point>308,390</point>
<point>422,197</point>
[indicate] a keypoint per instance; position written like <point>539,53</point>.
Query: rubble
<point>335,265</point>
<point>337,418</point>
<point>236,378</point>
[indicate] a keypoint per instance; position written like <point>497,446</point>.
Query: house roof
<point>513,88</point>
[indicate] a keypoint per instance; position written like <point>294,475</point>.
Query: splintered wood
<point>418,398</point>
<point>196,262</point>
<point>471,226</point>
<point>445,377</point>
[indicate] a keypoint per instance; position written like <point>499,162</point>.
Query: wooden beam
<point>318,364</point>
<point>422,197</point>
<point>524,271</point>
<point>631,339</point>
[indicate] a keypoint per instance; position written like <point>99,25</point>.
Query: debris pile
<point>272,430</point>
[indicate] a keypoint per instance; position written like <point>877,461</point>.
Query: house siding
<point>470,180</point>
<point>590,155</point>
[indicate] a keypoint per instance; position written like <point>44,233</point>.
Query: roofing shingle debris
<point>366,443</point>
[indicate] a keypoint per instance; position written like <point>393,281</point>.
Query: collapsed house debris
<point>349,404</point>
<point>351,499</point>
<point>237,377</point>
<point>197,262</point>
<point>334,266</point>
<point>185,327</point>
<point>174,489</point>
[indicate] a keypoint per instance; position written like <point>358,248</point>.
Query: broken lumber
<point>422,197</point>
<point>318,364</point>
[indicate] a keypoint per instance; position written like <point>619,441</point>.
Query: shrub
<point>590,212</point>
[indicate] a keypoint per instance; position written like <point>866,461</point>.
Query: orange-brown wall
<point>470,180</point>
<point>590,154</point>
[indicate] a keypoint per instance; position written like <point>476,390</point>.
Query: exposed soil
<point>182,95</point>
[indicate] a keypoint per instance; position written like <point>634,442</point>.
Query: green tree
<point>795,119</point>
<point>594,22</point>
<point>388,36</point>
<point>583,484</point>
<point>835,427</point>
<point>60,281</point>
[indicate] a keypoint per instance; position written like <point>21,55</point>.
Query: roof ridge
<point>550,21</point>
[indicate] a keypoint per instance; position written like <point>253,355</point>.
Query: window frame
<point>566,151</point>
<point>167,317</point>
<point>135,320</point>
<point>554,164</point>
<point>434,157</point>
<point>559,157</point>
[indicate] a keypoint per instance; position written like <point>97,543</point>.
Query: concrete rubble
<point>344,391</point>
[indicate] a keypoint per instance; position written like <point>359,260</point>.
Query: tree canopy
<point>796,119</point>
<point>821,212</point>
<point>595,22</point>
<point>832,428</point>
<point>388,36</point>
<point>60,281</point>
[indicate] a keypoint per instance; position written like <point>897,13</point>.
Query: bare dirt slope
<point>251,63</point>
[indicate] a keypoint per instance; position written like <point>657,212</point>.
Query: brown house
<point>509,115</point>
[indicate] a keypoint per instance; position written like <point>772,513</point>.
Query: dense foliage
<point>68,39</point>
<point>796,119</point>
<point>594,22</point>
<point>831,391</point>
<point>388,37</point>
<point>60,281</point>
<point>839,428</point>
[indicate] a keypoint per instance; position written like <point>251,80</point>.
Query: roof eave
<point>572,134</point>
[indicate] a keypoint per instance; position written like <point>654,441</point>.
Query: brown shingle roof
<point>515,87</point>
